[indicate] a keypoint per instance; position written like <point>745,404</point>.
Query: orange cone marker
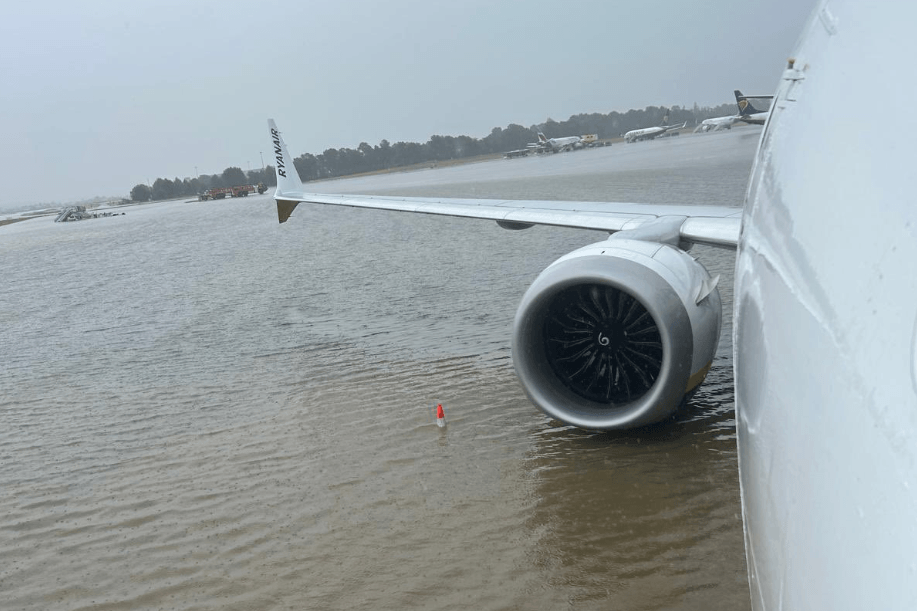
<point>440,416</point>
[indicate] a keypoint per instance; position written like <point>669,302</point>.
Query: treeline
<point>366,158</point>
<point>163,188</point>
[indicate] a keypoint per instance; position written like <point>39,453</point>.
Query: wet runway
<point>203,409</point>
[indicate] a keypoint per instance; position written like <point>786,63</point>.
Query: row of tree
<point>163,188</point>
<point>367,158</point>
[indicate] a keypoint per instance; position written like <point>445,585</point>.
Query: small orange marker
<point>440,416</point>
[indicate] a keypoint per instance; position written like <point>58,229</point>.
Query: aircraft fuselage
<point>758,118</point>
<point>825,335</point>
<point>648,133</point>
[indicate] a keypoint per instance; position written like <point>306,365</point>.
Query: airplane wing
<point>709,225</point>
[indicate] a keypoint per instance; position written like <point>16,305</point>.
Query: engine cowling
<point>617,334</point>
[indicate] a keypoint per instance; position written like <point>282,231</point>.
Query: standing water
<point>203,409</point>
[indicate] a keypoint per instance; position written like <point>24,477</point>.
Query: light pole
<point>262,160</point>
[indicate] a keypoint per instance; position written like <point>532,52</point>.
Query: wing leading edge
<point>709,225</point>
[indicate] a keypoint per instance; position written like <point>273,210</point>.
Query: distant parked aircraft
<point>716,123</point>
<point>556,145</point>
<point>747,112</point>
<point>648,133</point>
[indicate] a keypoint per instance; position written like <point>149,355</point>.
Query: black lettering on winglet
<point>278,153</point>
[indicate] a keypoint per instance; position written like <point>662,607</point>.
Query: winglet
<point>288,182</point>
<point>285,208</point>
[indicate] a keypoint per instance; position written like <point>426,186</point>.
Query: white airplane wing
<point>710,225</point>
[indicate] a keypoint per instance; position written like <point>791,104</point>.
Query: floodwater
<point>203,409</point>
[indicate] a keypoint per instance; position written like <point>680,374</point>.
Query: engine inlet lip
<point>662,303</point>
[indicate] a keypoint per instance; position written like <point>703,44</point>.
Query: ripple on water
<point>194,416</point>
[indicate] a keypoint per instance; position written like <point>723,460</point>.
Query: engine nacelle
<point>617,334</point>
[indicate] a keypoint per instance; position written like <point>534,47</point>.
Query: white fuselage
<point>567,142</point>
<point>825,332</point>
<point>716,123</point>
<point>758,118</point>
<point>648,133</point>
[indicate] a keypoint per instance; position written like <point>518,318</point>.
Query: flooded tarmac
<point>203,409</point>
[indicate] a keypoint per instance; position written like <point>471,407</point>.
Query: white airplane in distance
<point>648,133</point>
<point>747,112</point>
<point>556,145</point>
<point>824,324</point>
<point>716,124</point>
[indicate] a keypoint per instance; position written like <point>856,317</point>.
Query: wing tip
<point>285,208</point>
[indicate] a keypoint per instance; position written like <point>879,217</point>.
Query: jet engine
<point>617,334</point>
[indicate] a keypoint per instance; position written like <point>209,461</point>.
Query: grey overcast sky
<point>98,96</point>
